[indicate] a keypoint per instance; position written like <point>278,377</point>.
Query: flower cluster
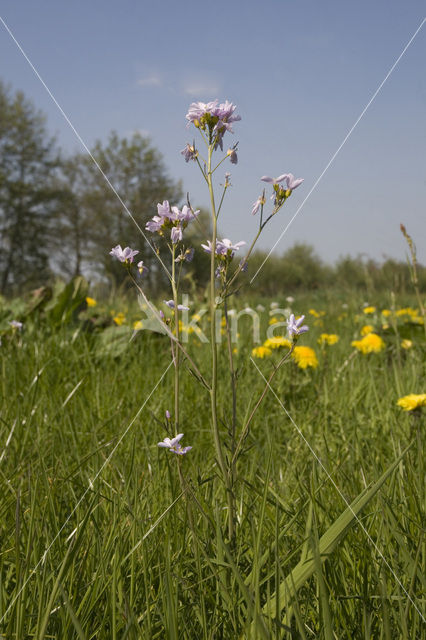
<point>281,194</point>
<point>171,218</point>
<point>213,117</point>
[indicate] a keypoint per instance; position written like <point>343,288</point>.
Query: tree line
<point>59,216</point>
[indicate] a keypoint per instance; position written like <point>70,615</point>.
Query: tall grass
<point>105,541</point>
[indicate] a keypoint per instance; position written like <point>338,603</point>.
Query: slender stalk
<point>245,428</point>
<point>213,390</point>
<point>234,407</point>
<point>176,352</point>
<point>170,334</point>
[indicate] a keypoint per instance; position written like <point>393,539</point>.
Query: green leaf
<point>328,542</point>
<point>65,305</point>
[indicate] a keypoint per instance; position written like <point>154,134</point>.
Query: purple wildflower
<point>274,180</point>
<point>208,247</point>
<point>142,267</point>
<point>256,205</point>
<point>292,182</point>
<point>171,217</point>
<point>218,118</point>
<point>163,209</point>
<point>15,324</point>
<point>293,326</point>
<point>168,416</point>
<point>154,224</point>
<point>232,153</point>
<point>176,234</point>
<point>223,247</point>
<point>197,110</point>
<point>171,305</point>
<point>174,445</point>
<point>123,255</point>
<point>189,152</point>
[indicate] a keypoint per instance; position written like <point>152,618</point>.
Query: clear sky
<point>301,74</point>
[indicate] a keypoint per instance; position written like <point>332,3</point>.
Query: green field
<point>106,535</point>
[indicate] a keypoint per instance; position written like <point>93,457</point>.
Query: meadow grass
<point>104,535</point>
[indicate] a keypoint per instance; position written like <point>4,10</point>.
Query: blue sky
<point>300,74</point>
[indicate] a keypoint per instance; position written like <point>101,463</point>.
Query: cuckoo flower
<point>189,152</point>
<point>232,155</point>
<point>292,182</point>
<point>215,117</point>
<point>256,205</point>
<point>293,326</point>
<point>142,267</point>
<point>171,305</point>
<point>173,445</point>
<point>171,218</point>
<point>123,255</point>
<point>223,247</point>
<point>176,234</point>
<point>274,180</point>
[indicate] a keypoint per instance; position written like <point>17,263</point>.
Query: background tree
<point>137,172</point>
<point>28,193</point>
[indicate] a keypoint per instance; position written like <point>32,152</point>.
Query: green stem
<point>213,390</point>
<point>175,351</point>
<point>234,407</point>
<point>246,426</point>
<point>172,337</point>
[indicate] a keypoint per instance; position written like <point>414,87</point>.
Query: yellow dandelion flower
<point>417,319</point>
<point>412,401</point>
<point>318,323</point>
<point>91,302</point>
<point>406,344</point>
<point>368,328</point>
<point>371,343</point>
<point>368,310</point>
<point>386,313</point>
<point>277,342</point>
<point>235,350</point>
<point>407,311</point>
<point>314,313</point>
<point>261,352</point>
<point>137,325</point>
<point>273,320</point>
<point>328,338</point>
<point>119,319</point>
<point>305,357</point>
